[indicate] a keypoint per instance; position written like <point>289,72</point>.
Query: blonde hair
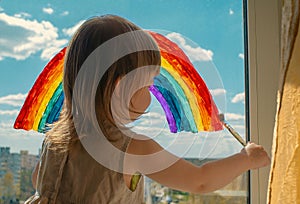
<point>88,37</point>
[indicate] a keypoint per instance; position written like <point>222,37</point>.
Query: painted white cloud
<point>231,12</point>
<point>20,38</point>
<point>9,112</point>
<point>13,99</point>
<point>234,116</point>
<point>194,53</point>
<point>240,97</point>
<point>70,31</point>
<point>48,10</point>
<point>65,13</point>
<point>241,55</point>
<point>217,92</point>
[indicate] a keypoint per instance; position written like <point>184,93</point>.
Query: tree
<point>26,188</point>
<point>7,187</point>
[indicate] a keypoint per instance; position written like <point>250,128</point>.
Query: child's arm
<point>183,175</point>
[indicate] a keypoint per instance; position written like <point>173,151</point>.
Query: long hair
<point>93,33</point>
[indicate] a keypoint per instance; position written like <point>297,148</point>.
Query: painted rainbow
<point>182,93</point>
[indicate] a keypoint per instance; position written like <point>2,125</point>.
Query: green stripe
<point>182,98</point>
<point>49,108</point>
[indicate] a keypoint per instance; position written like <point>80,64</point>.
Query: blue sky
<point>33,31</point>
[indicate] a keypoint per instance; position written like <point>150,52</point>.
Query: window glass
<point>210,32</point>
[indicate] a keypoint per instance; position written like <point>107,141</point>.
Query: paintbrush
<point>231,130</point>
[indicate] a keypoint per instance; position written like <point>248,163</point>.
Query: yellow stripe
<point>189,94</point>
<point>45,101</point>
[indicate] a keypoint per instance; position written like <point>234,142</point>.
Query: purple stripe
<point>165,106</point>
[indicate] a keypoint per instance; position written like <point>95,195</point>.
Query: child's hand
<point>256,155</point>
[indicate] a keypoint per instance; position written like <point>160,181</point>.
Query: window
<point>212,29</point>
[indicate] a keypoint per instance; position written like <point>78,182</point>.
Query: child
<point>75,169</point>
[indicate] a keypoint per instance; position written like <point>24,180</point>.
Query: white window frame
<point>263,26</point>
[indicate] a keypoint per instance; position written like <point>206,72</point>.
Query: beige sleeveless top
<point>75,177</point>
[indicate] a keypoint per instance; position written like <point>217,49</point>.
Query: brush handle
<point>235,134</point>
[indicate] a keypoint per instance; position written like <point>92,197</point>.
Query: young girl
<point>70,172</point>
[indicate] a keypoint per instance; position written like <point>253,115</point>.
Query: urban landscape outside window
<point>212,34</point>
